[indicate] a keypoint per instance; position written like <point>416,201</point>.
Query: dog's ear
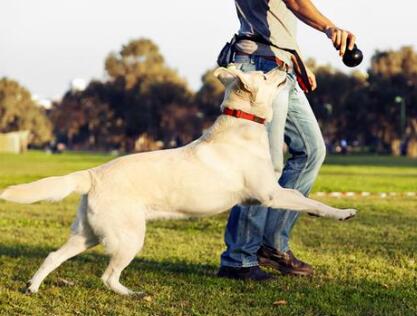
<point>229,74</point>
<point>225,76</point>
<point>276,76</point>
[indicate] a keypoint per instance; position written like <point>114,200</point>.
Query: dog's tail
<point>52,188</point>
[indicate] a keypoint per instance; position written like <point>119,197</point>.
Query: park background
<point>107,78</point>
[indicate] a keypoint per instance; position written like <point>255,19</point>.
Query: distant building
<point>78,84</point>
<point>14,142</point>
<point>42,102</point>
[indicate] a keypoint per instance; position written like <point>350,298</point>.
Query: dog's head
<point>251,92</point>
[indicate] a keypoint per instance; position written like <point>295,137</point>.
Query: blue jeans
<point>251,226</point>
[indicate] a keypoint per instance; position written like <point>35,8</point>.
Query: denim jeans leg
<point>243,236</point>
<point>307,153</point>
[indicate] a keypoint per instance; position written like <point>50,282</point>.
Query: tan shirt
<point>275,23</point>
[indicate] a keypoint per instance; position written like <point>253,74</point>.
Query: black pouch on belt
<point>226,54</point>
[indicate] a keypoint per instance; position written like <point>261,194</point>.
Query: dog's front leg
<point>291,199</point>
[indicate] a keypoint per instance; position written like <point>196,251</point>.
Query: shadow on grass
<point>140,263</point>
<point>177,281</point>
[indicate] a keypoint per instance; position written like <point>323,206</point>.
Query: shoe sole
<point>283,270</point>
<point>234,277</point>
<point>245,279</point>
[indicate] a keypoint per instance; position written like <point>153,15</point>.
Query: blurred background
<point>129,76</point>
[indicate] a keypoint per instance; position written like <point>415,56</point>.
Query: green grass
<point>363,267</point>
<point>368,173</point>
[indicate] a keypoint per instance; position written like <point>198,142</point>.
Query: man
<point>256,235</point>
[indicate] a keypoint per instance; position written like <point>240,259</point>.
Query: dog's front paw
<point>347,214</point>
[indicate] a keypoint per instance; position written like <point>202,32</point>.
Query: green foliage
<point>362,267</point>
<point>87,117</point>
<point>142,96</point>
<point>331,100</point>
<point>139,60</point>
<point>19,112</point>
<point>392,63</point>
<point>210,95</point>
<point>154,93</point>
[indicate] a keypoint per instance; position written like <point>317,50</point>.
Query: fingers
<point>313,82</point>
<point>352,41</point>
<point>334,38</point>
<point>343,43</point>
<point>341,39</point>
<point>338,41</point>
<point>311,79</point>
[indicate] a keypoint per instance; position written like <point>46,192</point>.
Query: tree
<point>87,118</point>
<point>141,96</point>
<point>333,104</point>
<point>392,63</point>
<point>392,82</point>
<point>209,96</point>
<point>19,112</point>
<point>138,60</point>
<point>366,108</point>
<point>149,85</point>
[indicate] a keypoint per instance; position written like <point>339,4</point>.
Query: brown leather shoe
<point>250,273</point>
<point>284,262</point>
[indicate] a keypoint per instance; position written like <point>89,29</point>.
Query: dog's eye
<point>265,78</point>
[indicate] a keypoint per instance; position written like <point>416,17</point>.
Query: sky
<point>45,44</point>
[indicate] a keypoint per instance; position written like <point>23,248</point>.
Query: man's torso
<point>273,22</point>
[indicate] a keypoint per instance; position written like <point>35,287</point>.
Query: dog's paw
<point>29,289</point>
<point>347,214</point>
<point>139,295</point>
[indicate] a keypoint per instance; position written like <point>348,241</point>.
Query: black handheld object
<point>353,57</point>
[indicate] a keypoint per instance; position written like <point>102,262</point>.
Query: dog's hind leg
<point>123,240</point>
<point>118,262</point>
<point>75,245</point>
<point>82,238</point>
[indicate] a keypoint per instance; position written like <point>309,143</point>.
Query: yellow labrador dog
<point>229,164</point>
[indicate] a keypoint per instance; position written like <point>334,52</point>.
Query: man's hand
<point>311,79</point>
<point>341,39</point>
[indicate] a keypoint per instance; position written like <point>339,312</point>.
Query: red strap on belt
<point>302,84</point>
<point>243,115</point>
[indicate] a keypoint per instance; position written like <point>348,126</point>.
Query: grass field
<point>366,266</point>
